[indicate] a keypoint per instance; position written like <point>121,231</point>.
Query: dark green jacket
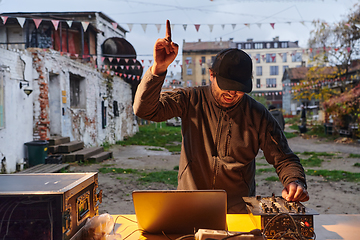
<point>219,145</point>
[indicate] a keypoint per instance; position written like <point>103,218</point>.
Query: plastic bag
<point>99,228</point>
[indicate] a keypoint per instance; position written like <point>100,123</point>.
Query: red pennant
<point>55,23</point>
<point>102,59</point>
<point>138,77</point>
<point>197,26</point>
<point>4,18</point>
<point>110,59</point>
<point>127,67</point>
<point>118,59</point>
<point>114,24</point>
<point>37,22</point>
<point>272,25</point>
<point>142,60</point>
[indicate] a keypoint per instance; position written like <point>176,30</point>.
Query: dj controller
<point>280,219</point>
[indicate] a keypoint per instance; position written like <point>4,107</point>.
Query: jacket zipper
<point>215,157</point>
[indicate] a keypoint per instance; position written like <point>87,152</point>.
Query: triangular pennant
<point>132,66</point>
<point>127,67</point>
<point>184,26</point>
<point>76,55</point>
<point>120,74</point>
<point>211,26</point>
<point>21,21</point>
<point>138,77</point>
<point>144,25</point>
<point>55,23</point>
<point>177,61</point>
<point>134,60</point>
<point>118,59</point>
<point>126,60</point>
<point>247,24</point>
<point>197,27</point>
<point>69,23</point>
<point>85,25</point>
<point>272,25</point>
<point>233,25</point>
<point>142,61</point>
<point>37,22</point>
<point>110,59</point>
<point>303,23</point>
<point>138,67</point>
<point>102,59</point>
<point>158,27</point>
<point>347,24</point>
<point>114,24</point>
<point>122,66</point>
<point>259,25</point>
<point>4,18</point>
<point>94,57</point>
<point>223,26</point>
<point>130,25</point>
<point>150,60</point>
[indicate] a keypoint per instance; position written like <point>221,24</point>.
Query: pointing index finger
<point>168,31</point>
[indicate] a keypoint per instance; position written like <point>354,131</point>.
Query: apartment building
<point>270,59</point>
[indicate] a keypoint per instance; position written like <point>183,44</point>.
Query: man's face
<point>224,98</point>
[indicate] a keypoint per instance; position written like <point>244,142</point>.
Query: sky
<point>291,19</point>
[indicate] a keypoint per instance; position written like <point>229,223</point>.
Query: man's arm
<point>146,103</point>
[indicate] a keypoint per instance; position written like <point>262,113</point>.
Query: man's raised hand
<point>165,52</point>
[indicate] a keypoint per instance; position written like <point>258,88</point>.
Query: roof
<point>298,73</point>
<point>63,16</point>
<point>206,46</point>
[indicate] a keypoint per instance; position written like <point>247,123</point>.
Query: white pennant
<point>259,25</point>
<point>158,26</point>
<point>130,25</point>
<point>233,26</point>
<point>144,25</point>
<point>69,23</point>
<point>21,21</point>
<point>184,26</point>
<point>85,25</point>
<point>211,26</point>
<point>223,26</point>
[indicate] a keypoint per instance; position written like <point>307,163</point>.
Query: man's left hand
<point>294,192</point>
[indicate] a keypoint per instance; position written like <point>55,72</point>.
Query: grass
<point>272,179</point>
<point>106,146</point>
<point>357,164</point>
<point>261,170</point>
<point>167,177</point>
<point>314,160</point>
<point>335,175</point>
<point>289,135</point>
<point>168,137</point>
<point>354,155</point>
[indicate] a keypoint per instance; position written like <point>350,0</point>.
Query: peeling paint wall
<point>84,123</point>
<point>18,109</point>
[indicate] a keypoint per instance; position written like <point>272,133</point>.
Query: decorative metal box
<point>47,205</point>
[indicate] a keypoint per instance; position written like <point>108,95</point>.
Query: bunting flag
<point>247,24</point>
<point>114,24</point>
<point>85,25</point>
<point>211,26</point>
<point>144,25</point>
<point>55,23</point>
<point>134,60</point>
<point>110,59</point>
<point>126,60</point>
<point>21,21</point>
<point>272,25</point>
<point>4,18</point>
<point>102,59</point>
<point>184,26</point>
<point>197,27</point>
<point>130,25</point>
<point>259,25</point>
<point>37,22</point>
<point>94,57</point>
<point>233,26</point>
<point>158,27</point>
<point>223,26</point>
<point>303,23</point>
<point>69,23</point>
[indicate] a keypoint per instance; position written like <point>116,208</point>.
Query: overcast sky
<point>291,18</point>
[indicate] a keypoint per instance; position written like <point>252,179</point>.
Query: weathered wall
<point>18,129</point>
<point>84,123</point>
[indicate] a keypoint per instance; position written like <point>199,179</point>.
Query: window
<point>297,57</point>
<point>259,45</point>
<point>203,60</point>
<point>203,71</point>
<point>268,45</point>
<point>239,46</point>
<point>258,58</point>
<point>285,67</point>
<point>270,57</point>
<point>258,70</point>
<point>284,57</point>
<point>276,45</point>
<point>2,103</point>
<point>189,83</point>
<point>271,82</point>
<point>247,45</point>
<point>258,84</point>
<point>203,82</point>
<point>212,59</point>
<point>188,60</point>
<point>284,44</point>
<point>77,91</point>
<point>274,70</point>
<point>189,71</point>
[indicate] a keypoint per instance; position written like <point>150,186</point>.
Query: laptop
<point>180,211</point>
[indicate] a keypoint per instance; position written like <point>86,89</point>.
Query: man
<point>277,114</point>
<point>223,128</point>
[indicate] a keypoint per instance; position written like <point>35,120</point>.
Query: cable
<point>132,233</point>
<point>7,229</point>
<point>186,236</point>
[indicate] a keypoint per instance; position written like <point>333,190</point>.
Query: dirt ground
<point>325,196</point>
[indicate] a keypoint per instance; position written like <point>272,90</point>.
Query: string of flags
<point>144,26</point>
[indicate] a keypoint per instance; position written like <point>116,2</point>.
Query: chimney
<point>249,40</point>
<point>276,39</point>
